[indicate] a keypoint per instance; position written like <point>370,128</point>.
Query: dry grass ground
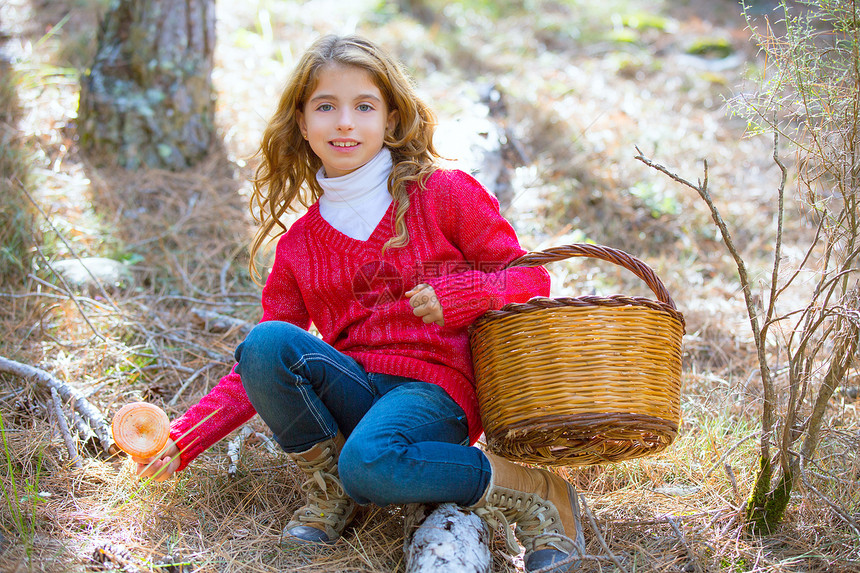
<point>583,84</point>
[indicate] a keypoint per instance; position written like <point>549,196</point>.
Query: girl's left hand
<point>425,304</point>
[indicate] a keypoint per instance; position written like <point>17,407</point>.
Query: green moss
<point>645,21</point>
<point>711,47</point>
<point>777,502</point>
<point>765,507</point>
<point>623,36</point>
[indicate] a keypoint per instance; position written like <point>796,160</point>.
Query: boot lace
<point>328,504</point>
<point>534,518</point>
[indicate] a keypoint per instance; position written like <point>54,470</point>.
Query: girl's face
<point>345,119</point>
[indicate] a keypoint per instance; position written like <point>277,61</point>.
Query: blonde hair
<point>287,172</point>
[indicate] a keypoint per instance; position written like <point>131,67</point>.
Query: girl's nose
<point>344,120</point>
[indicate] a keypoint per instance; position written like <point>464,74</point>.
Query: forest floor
<point>547,105</point>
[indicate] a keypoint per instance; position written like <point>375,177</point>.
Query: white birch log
<point>450,540</point>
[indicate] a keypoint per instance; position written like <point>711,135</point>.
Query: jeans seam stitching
<point>311,408</point>
<point>323,358</point>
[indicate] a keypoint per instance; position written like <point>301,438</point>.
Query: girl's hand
<point>422,299</point>
<point>159,467</point>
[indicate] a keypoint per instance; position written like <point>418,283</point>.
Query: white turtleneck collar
<point>355,203</point>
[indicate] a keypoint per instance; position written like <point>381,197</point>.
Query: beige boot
<point>328,509</point>
<point>542,505</point>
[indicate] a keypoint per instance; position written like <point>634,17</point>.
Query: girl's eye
<point>325,107</point>
<point>365,107</point>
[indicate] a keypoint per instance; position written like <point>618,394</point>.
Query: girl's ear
<point>300,119</point>
<point>393,119</point>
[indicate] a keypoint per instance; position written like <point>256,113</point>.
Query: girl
<point>392,261</point>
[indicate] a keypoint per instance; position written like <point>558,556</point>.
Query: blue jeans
<point>406,439</point>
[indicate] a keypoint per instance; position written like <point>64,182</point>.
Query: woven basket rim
<point>541,303</point>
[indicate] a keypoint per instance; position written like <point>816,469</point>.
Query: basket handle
<point>629,262</point>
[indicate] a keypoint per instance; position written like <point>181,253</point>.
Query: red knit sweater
<point>354,294</point>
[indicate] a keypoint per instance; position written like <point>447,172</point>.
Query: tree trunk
<point>148,99</point>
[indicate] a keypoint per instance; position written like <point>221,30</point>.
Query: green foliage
<point>736,564</point>
<point>23,521</point>
<point>16,213</point>
<point>814,71</point>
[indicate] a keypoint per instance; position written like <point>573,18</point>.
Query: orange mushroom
<point>140,429</point>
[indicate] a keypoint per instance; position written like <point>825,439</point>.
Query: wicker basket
<point>580,381</point>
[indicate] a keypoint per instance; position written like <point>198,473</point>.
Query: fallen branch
<point>450,540</point>
<point>64,429</point>
<point>88,412</point>
<point>731,474</point>
<point>212,321</point>
<point>235,447</point>
<point>85,432</point>
<point>247,435</point>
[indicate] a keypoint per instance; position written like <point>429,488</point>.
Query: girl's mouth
<point>344,143</point>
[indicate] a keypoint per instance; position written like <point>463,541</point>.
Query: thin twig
<point>225,268</point>
<point>64,429</point>
<point>33,294</point>
<point>85,432</point>
<point>731,523</point>
<point>216,322</point>
<point>728,452</point>
<point>270,444</point>
<point>97,282</point>
<point>558,565</point>
<point>844,515</point>
<point>731,474</point>
<point>65,294</point>
<point>599,535</point>
<point>267,469</point>
<point>665,519</point>
<point>70,294</point>
<point>777,248</point>
<point>580,536</point>
<point>693,559</point>
<point>188,382</point>
<point>572,558</point>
